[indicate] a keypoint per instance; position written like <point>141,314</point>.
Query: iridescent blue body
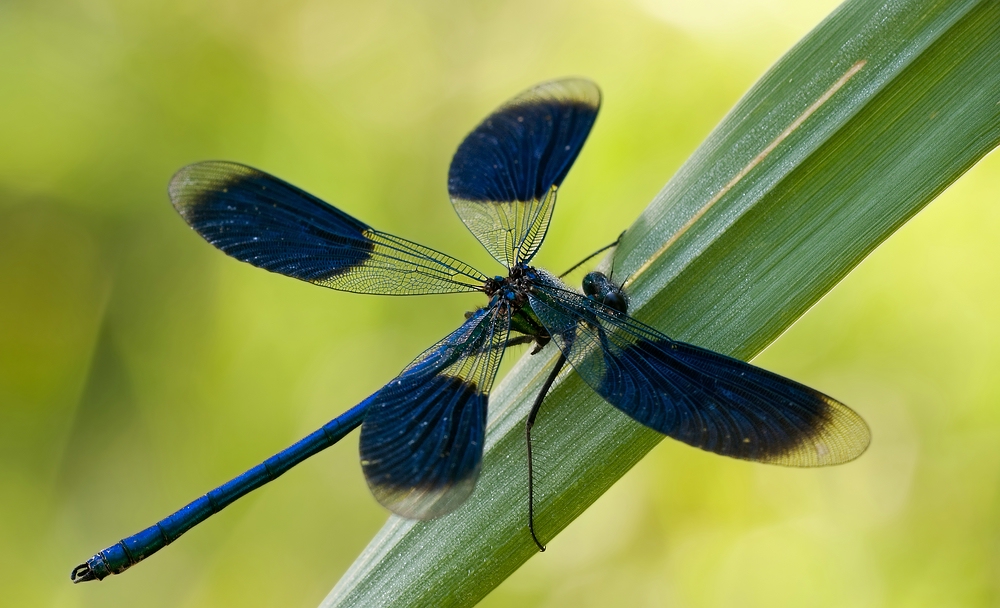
<point>119,557</point>
<point>422,434</point>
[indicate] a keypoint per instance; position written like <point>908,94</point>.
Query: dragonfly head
<point>600,288</point>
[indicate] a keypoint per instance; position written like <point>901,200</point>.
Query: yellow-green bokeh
<point>139,367</point>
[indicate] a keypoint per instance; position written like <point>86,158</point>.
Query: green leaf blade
<point>857,128</point>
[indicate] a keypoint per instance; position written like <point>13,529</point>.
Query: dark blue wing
<point>504,176</point>
<point>422,438</point>
<point>259,219</point>
<point>695,395</point>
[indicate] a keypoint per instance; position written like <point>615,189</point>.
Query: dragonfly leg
<point>605,248</point>
<point>540,341</point>
<point>517,340</point>
<point>530,422</point>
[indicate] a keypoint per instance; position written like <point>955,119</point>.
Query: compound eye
<point>590,284</point>
<point>616,300</point>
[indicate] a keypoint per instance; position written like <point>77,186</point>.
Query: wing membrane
<point>503,177</point>
<point>703,398</point>
<point>260,219</point>
<point>422,438</point>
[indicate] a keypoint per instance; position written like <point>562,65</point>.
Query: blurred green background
<point>139,367</point>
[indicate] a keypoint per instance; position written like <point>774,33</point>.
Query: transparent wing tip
<point>839,436</point>
<point>424,502</point>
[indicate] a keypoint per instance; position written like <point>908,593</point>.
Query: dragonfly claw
<point>82,573</point>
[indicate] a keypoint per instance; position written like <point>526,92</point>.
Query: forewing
<point>422,438</point>
<point>703,398</point>
<point>260,219</point>
<point>504,176</point>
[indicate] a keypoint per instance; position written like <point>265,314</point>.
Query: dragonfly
<point>422,434</point>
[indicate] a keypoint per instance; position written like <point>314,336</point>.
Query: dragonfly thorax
<point>514,288</point>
